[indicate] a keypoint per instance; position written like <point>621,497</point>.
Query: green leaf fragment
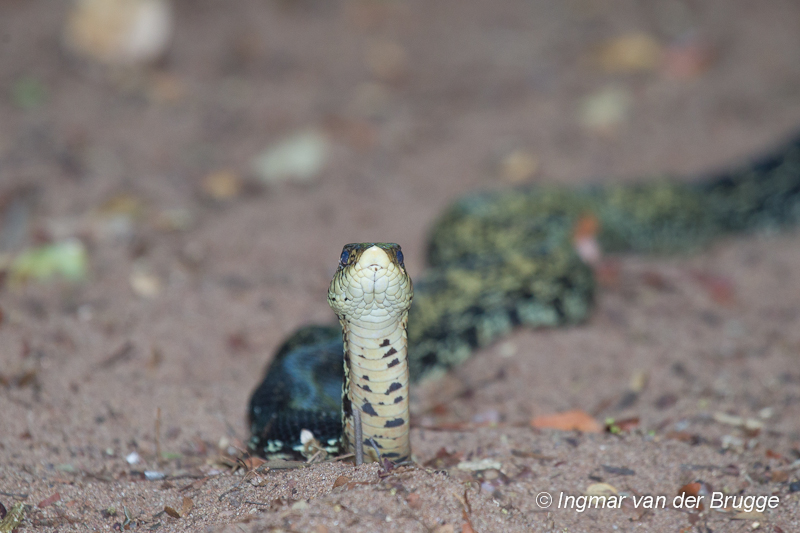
<point>67,259</point>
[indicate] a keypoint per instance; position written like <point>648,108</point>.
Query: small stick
<point>377,450</point>
<point>358,444</point>
<point>158,435</point>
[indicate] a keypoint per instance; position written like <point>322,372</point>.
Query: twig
<point>14,494</point>
<point>374,446</point>
<point>123,353</point>
<point>158,435</point>
<point>315,456</point>
<point>257,503</point>
<point>358,444</point>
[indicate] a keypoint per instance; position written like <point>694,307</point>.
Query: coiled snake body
<point>499,260</point>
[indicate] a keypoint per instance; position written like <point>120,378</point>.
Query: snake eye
<point>400,258</point>
<point>345,257</point>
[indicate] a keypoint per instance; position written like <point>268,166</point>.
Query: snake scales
<point>502,259</point>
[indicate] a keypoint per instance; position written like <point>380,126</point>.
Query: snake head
<point>370,276</point>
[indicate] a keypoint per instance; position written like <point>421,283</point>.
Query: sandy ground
<point>678,347</point>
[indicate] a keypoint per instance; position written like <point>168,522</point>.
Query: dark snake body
<point>504,259</point>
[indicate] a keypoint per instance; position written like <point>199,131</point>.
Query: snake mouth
<point>374,269</point>
<point>371,283</point>
<point>375,259</point>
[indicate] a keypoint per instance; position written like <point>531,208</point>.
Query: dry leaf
<point>601,489</point>
<point>779,476</point>
<point>690,489</point>
<point>186,506</point>
<point>444,459</point>
<point>172,512</point>
<point>251,463</point>
<point>49,501</point>
<point>698,488</point>
<point>684,436</point>
<point>607,273</point>
<point>575,420</point>
<point>688,60</point>
<point>359,134</point>
<point>341,480</point>
<point>414,500</point>
<point>772,454</point>
<point>222,185</point>
<point>584,239</point>
<point>622,426</point>
<point>630,53</point>
<point>720,289</point>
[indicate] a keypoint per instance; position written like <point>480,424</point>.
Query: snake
<point>497,260</point>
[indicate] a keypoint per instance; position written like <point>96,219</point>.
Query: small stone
<point>519,166</point>
<point>222,185</point>
<point>639,381</point>
<point>480,464</point>
<point>119,32</point>
<point>766,413</point>
<point>507,349</point>
<point>298,158</point>
<point>145,284</point>
<point>603,111</point>
<point>300,505</point>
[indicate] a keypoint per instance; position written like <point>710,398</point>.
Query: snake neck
<point>376,382</point>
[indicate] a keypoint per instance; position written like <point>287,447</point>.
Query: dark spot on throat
<point>390,352</point>
<point>393,363</point>
<point>368,409</point>
<point>385,342</point>
<point>398,399</point>
<point>397,422</point>
<point>365,387</point>
<point>393,387</point>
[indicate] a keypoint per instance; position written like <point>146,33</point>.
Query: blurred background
<point>197,165</point>
<point>173,111</point>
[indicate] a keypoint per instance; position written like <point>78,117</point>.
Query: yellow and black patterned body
<point>507,258</point>
<point>371,294</point>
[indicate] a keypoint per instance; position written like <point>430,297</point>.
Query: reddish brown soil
<point>85,369</point>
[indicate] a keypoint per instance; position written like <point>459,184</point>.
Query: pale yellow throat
<point>371,296</point>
